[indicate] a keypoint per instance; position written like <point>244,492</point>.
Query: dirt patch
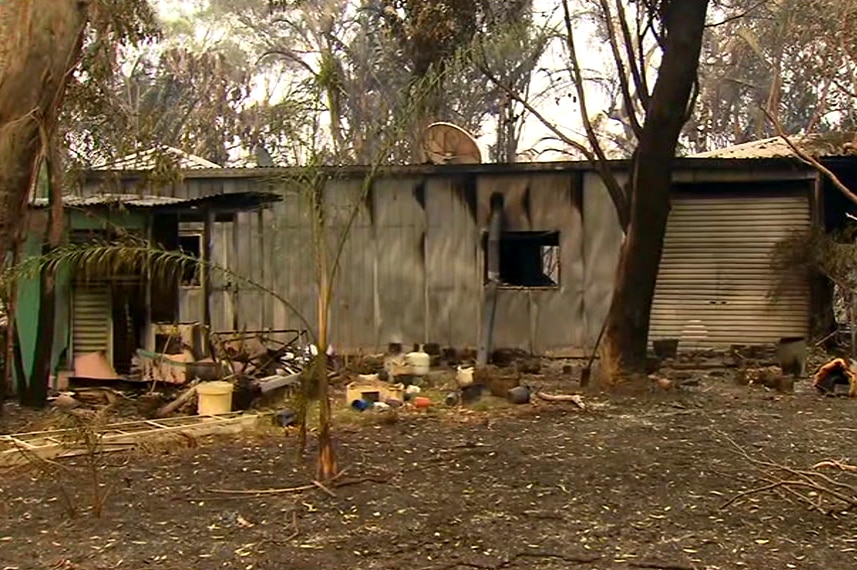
<point>629,483</point>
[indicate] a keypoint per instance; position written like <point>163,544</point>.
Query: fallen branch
<point>806,486</point>
<point>182,399</point>
<point>573,398</point>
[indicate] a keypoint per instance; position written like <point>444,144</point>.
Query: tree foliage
<point>795,58</point>
<point>365,60</point>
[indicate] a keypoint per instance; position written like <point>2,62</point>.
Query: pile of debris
<point>258,365</point>
<point>398,380</point>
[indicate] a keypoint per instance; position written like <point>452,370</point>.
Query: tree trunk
<point>327,468</point>
<point>626,334</point>
<point>39,43</point>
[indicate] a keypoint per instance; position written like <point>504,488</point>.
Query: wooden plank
<point>201,425</point>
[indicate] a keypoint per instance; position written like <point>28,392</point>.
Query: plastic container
<point>419,363</point>
<point>214,398</point>
<point>464,376</point>
<point>421,402</point>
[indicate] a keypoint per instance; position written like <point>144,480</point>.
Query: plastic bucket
<point>464,376</point>
<point>665,348</point>
<point>214,398</point>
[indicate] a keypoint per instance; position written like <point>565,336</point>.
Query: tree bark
<point>39,43</point>
<point>626,334</point>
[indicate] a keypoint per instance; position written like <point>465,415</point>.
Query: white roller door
<point>715,275</point>
<point>91,318</point>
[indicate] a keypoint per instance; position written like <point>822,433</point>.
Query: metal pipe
<point>495,224</point>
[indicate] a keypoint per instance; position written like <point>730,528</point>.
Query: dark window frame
<point>190,277</point>
<point>528,259</point>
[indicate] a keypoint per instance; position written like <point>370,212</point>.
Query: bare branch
<point>807,159</point>
<point>600,163</point>
<point>587,153</point>
<point>739,15</point>
<point>617,193</point>
<point>642,62</point>
<point>636,64</point>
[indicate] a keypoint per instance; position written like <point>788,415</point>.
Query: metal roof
<point>817,145</point>
<point>127,200</point>
<point>148,159</point>
<point>230,200</point>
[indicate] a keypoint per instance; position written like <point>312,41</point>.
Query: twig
<point>571,559</point>
<point>321,486</point>
<point>836,465</point>
<point>660,566</point>
<point>280,490</point>
<point>295,532</point>
<point>275,491</point>
<point>757,490</point>
<point>807,159</point>
<point>369,479</point>
<point>819,483</point>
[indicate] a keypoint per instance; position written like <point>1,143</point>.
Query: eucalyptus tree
<point>796,59</point>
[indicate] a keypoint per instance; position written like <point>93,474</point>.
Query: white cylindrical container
<point>419,362</point>
<point>214,398</point>
<point>464,376</point>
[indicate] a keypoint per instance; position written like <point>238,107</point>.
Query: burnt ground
<point>629,483</point>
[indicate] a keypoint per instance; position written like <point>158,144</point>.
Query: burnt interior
<point>528,258</point>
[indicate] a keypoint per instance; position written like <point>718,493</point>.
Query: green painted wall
<point>29,290</point>
<point>84,220</point>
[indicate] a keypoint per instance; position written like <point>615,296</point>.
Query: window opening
<point>191,246</point>
<point>528,259</point>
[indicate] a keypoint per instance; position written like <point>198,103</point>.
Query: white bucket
<point>464,376</point>
<point>214,398</point>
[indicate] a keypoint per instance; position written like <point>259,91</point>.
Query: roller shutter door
<point>91,318</point>
<point>715,276</point>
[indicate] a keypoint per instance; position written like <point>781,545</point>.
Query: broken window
<point>190,244</point>
<point>528,259</point>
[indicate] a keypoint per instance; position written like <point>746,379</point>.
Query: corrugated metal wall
<point>540,320</point>
<point>412,268</point>
<point>715,275</point>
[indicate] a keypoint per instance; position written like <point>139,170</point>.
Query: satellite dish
<point>445,143</point>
